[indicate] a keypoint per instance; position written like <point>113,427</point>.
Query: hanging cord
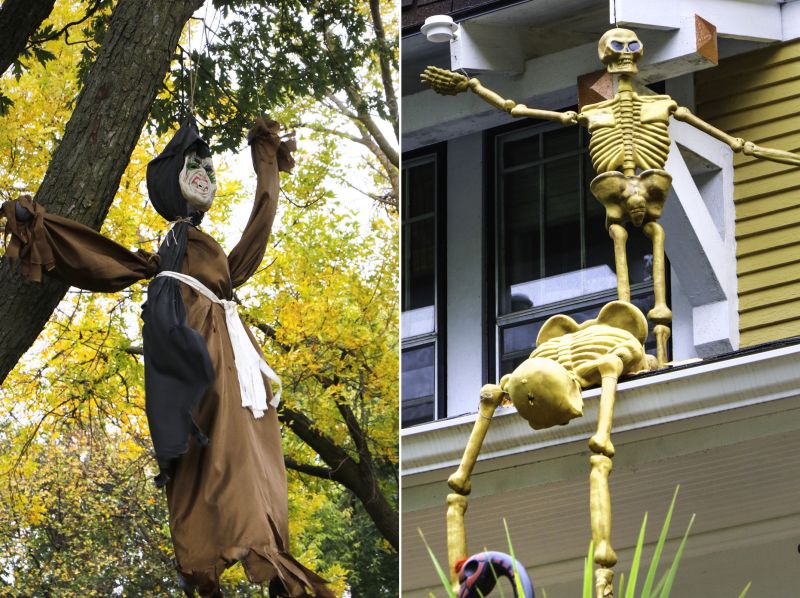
<point>192,71</point>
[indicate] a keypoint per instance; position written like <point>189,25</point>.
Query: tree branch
<point>313,470</point>
<point>385,64</point>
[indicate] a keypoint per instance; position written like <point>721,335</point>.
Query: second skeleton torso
<point>629,132</point>
<point>585,346</point>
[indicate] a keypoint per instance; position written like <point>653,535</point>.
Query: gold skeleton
<point>546,390</point>
<point>629,146</point>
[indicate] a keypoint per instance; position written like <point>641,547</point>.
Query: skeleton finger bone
<point>491,396</point>
<point>444,82</point>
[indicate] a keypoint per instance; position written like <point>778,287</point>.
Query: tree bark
<point>88,164</point>
<point>19,19</point>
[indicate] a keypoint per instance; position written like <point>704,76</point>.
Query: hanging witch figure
<point>209,400</point>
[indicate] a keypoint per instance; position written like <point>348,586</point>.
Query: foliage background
<point>79,514</point>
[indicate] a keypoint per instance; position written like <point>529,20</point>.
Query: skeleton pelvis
<point>544,392</point>
<point>635,199</point>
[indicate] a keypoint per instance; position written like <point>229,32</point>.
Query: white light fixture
<point>439,28</point>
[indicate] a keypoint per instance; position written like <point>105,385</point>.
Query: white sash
<point>249,364</point>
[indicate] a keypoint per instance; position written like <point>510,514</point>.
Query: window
<point>553,254</point>
<point>422,265</point>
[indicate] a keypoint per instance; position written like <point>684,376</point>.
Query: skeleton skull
<point>620,50</point>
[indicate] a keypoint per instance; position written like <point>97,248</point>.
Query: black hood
<point>162,173</point>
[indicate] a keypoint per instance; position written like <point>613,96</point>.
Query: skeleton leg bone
<point>619,235</point>
<point>491,395</point>
<point>456,534</point>
<point>660,314</point>
<point>600,510</point>
<point>610,368</point>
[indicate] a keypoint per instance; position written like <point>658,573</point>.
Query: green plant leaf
<point>673,570</point>
<point>621,583</point>
<point>637,557</point>
<point>517,582</point>
<point>587,572</point>
<point>651,573</point>
<point>744,591</point>
<point>442,577</point>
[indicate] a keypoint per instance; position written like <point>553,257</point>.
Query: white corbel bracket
<point>481,48</point>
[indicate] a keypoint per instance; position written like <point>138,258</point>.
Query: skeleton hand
<point>444,82</point>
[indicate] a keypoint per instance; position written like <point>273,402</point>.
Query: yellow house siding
<point>756,96</point>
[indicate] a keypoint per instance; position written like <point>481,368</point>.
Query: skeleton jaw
<point>624,64</point>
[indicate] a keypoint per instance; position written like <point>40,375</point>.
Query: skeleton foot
<point>603,585</point>
<point>662,334</point>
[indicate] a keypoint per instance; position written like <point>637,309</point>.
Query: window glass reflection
<point>418,384</point>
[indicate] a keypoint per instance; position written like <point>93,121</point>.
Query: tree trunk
<point>86,168</point>
<point>19,19</point>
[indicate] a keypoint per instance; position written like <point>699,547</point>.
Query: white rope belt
<point>249,363</point>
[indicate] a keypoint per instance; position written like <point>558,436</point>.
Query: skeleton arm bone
<point>737,144</point>
<point>520,110</point>
<point>446,82</point>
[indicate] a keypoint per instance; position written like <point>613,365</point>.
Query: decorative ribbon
<point>249,363</point>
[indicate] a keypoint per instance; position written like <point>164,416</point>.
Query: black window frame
<point>438,337</point>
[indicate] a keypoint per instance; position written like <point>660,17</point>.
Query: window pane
<point>520,151</point>
<point>562,231</point>
<point>561,140</point>
<point>420,190</point>
<point>520,235</point>
<point>418,384</point>
<point>419,274</point>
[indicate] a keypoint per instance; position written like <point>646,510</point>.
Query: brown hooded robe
<point>227,500</point>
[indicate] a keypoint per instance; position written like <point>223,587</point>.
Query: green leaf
<point>651,573</point>
<point>637,557</point>
<point>744,591</point>
<point>517,582</point>
<point>587,572</point>
<point>442,577</point>
<point>673,570</point>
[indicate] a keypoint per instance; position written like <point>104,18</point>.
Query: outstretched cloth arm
<point>737,144</point>
<point>70,251</point>
<point>270,157</point>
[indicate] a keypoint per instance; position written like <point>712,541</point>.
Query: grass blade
<point>742,595</point>
<point>445,581</point>
<point>651,573</point>
<point>587,572</point>
<point>621,591</point>
<point>673,570</point>
<point>637,557</point>
<point>517,583</point>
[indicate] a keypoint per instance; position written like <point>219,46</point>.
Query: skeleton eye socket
<point>634,46</point>
<point>617,46</point>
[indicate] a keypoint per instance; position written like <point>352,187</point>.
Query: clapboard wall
<point>756,96</point>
